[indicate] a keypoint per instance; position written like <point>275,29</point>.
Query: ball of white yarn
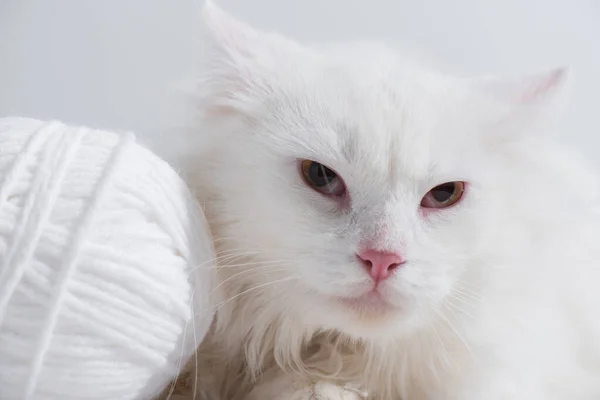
<point>103,268</point>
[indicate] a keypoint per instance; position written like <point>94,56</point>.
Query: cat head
<point>369,191</point>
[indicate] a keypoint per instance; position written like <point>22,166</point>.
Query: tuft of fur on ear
<point>526,105</point>
<point>240,61</point>
<point>234,39</point>
<point>529,91</point>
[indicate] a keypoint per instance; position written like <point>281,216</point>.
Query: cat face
<point>370,191</point>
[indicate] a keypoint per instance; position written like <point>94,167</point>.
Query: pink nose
<point>380,264</point>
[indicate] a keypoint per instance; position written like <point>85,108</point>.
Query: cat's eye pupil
<point>444,192</point>
<point>320,175</point>
<point>444,195</point>
<point>322,178</point>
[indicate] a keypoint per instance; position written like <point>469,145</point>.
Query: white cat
<point>385,227</point>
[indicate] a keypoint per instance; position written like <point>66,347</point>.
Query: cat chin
<point>368,317</point>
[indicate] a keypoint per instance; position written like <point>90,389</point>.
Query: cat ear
<point>525,106</point>
<point>241,60</point>
<point>226,34</point>
<point>529,91</point>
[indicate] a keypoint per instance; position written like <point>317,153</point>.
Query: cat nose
<point>380,264</point>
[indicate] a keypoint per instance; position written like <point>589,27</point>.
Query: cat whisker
<point>270,267</point>
<point>225,302</point>
<point>218,258</point>
<point>247,264</point>
<point>451,326</point>
<point>468,288</point>
<point>226,261</point>
<point>195,390</point>
<point>242,325</point>
<point>464,299</point>
<point>255,251</point>
<point>450,304</point>
<point>467,297</point>
<point>242,251</point>
<point>229,265</point>
<point>444,349</point>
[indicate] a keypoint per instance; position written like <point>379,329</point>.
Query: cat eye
<point>444,195</point>
<point>322,179</point>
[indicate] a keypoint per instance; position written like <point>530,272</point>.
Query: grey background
<point>123,64</point>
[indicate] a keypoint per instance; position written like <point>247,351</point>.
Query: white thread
<point>71,258</point>
<point>33,143</point>
<point>98,241</point>
<point>37,208</point>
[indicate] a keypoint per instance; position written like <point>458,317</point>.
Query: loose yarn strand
<point>35,141</point>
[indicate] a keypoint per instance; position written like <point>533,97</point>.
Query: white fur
<point>498,298</point>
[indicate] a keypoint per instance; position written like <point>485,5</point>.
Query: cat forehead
<point>378,115</point>
<point>362,103</point>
